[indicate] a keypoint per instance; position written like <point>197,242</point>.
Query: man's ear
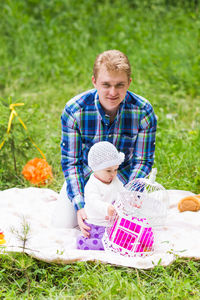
<point>130,80</point>
<point>94,81</point>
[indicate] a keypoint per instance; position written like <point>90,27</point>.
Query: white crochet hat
<point>104,155</point>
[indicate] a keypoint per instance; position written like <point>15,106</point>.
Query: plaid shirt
<point>84,123</point>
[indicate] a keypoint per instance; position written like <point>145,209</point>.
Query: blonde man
<point>109,112</point>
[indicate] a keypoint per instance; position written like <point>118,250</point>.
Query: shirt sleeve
<point>95,207</point>
<point>143,156</point>
<point>71,158</point>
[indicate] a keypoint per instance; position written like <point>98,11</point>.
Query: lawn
<point>46,56</point>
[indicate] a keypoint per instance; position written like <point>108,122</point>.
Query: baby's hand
<point>111,210</point>
<point>136,202</point>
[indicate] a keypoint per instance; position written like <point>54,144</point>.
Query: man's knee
<point>64,215</point>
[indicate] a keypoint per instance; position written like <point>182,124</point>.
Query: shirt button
<point>110,135</point>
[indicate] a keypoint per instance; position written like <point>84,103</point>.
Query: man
<point>107,113</point>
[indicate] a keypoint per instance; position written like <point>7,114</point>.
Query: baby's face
<point>107,175</point>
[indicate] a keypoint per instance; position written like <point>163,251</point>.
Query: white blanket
<point>34,206</point>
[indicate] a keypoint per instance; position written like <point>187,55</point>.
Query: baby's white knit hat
<point>104,155</point>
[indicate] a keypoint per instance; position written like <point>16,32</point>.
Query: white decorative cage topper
<point>140,207</point>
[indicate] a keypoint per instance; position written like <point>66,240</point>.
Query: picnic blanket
<point>32,208</point>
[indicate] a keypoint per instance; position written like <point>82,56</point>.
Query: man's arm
<point>71,159</point>
<point>143,156</point>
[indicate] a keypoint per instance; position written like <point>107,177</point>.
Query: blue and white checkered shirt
<point>84,123</point>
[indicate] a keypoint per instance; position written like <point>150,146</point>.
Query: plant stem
<point>13,153</point>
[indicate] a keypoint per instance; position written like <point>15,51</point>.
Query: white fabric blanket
<point>34,206</point>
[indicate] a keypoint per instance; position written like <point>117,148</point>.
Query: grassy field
<point>46,56</point>
<point>25,278</point>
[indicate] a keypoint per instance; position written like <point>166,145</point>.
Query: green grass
<point>46,57</point>
<point>23,277</point>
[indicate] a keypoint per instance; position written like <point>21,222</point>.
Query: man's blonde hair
<point>114,60</point>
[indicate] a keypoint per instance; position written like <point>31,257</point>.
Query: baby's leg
<point>94,242</point>
<point>96,231</point>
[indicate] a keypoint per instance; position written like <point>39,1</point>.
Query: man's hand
<point>81,216</point>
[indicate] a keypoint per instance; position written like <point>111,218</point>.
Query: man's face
<point>111,87</point>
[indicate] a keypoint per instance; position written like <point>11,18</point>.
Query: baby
<point>100,192</point>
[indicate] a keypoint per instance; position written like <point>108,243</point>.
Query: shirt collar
<point>105,118</point>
